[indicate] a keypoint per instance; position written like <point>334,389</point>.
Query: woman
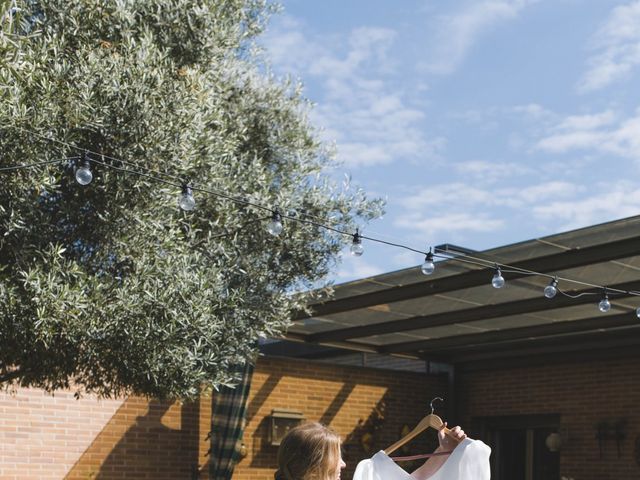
<point>312,452</point>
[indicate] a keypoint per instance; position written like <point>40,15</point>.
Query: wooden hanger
<point>430,420</point>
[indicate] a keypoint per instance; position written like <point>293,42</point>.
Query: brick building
<point>549,383</point>
<point>520,371</point>
<point>45,437</point>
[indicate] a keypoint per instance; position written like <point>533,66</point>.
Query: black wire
<point>135,172</point>
<point>179,185</point>
<point>578,295</point>
<point>468,259</point>
<point>124,162</point>
<point>38,164</point>
<point>97,154</point>
<point>392,244</point>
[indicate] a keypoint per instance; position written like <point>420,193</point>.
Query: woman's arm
<point>447,444</point>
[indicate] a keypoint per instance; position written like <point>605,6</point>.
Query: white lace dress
<point>469,461</point>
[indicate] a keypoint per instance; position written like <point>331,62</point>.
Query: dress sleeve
<point>469,462</point>
<point>364,471</point>
<point>475,465</point>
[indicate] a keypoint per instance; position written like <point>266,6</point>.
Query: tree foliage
<point>110,288</point>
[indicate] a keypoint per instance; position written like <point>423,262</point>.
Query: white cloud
<point>447,224</point>
<point>363,154</point>
<point>603,133</point>
<point>457,33</point>
<point>356,267</point>
<point>288,48</point>
<point>533,110</point>
<point>543,192</point>
<point>366,45</point>
<point>405,258</point>
<point>563,142</point>
<point>491,172</point>
<point>613,200</point>
<point>457,209</point>
<point>463,197</point>
<point>447,194</point>
<point>362,109</point>
<point>616,47</point>
<point>380,131</point>
<point>587,122</point>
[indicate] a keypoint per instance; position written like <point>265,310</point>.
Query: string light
<point>605,305</point>
<point>356,246</point>
<point>84,176</point>
<point>274,227</point>
<point>498,280</point>
<point>428,267</point>
<point>187,202</point>
<point>551,290</point>
<point>83,172</point>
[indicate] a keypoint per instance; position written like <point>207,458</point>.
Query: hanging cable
<point>88,157</point>
<point>38,164</point>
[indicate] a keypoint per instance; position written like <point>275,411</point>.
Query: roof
<point>455,316</point>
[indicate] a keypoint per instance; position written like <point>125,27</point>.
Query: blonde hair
<point>309,452</point>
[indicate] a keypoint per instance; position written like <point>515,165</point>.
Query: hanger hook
<point>431,404</point>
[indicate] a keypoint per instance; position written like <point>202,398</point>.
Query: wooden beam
<point>584,341</point>
<point>554,358</point>
<point>517,307</point>
<point>505,334</point>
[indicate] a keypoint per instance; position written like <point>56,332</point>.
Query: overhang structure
<point>456,316</point>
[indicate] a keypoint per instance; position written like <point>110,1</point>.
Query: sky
<point>482,123</point>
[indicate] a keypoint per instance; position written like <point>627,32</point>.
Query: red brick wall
<point>146,439</point>
<point>338,396</point>
<point>583,394</point>
<point>44,437</point>
<point>41,435</point>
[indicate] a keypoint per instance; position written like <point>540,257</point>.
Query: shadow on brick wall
<point>265,454</point>
<point>262,395</point>
<point>380,429</point>
<point>143,439</point>
<point>362,400</point>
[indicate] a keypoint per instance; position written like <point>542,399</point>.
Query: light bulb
<point>551,290</point>
<point>187,202</point>
<point>428,267</point>
<point>83,173</point>
<point>638,312</point>
<point>498,280</point>
<point>274,227</point>
<point>605,305</point>
<point>356,247</point>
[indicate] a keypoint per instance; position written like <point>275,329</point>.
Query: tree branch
<point>9,376</point>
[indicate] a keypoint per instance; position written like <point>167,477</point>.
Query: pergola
<point>455,316</point>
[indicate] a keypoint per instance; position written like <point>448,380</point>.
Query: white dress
<point>469,461</point>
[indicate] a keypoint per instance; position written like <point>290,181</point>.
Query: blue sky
<point>483,123</point>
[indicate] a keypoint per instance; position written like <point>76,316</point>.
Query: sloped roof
<point>455,315</point>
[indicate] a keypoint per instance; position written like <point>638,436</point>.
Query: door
<point>518,447</point>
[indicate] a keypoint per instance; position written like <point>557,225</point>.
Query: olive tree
<point>110,288</point>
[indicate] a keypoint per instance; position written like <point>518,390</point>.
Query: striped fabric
<point>227,425</point>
